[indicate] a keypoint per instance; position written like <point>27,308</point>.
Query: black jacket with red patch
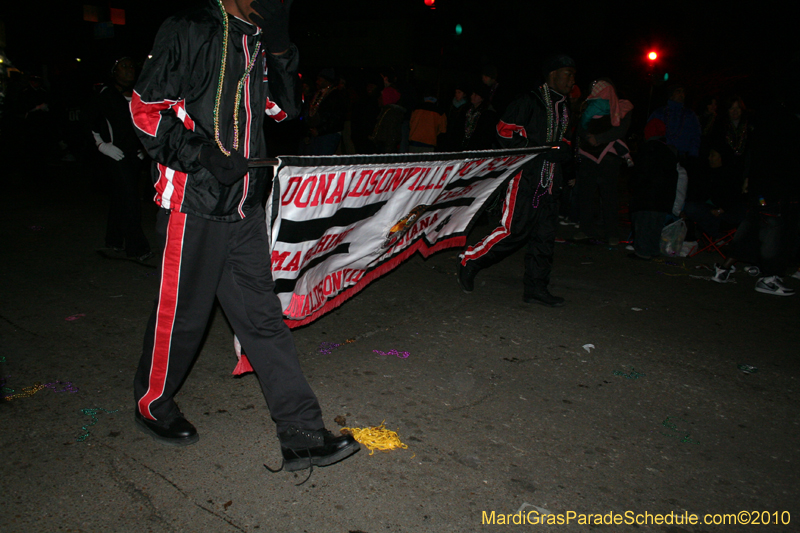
<point>173,109</point>
<point>525,123</point>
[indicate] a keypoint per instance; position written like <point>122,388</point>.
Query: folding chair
<point>707,243</point>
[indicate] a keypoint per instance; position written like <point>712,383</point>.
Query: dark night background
<point>712,47</point>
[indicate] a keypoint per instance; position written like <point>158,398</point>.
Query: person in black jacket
<point>601,136</point>
<point>653,186</point>
<point>326,114</point>
<point>214,74</point>
<point>116,140</point>
<point>767,236</point>
<point>477,132</point>
<point>530,212</point>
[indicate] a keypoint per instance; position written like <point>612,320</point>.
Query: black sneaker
<point>543,296</point>
<point>302,448</point>
<point>179,432</point>
<point>466,277</point>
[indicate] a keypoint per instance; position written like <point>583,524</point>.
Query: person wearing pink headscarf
<point>601,150</point>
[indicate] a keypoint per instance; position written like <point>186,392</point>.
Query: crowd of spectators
<point>704,166</point>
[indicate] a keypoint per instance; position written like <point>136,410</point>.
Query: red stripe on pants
<point>165,318</point>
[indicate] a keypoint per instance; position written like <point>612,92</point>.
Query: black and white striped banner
<point>339,222</point>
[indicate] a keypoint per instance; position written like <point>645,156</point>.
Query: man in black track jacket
<point>530,212</point>
<point>214,74</point>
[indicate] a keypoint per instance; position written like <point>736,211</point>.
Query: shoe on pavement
<point>753,271</point>
<point>466,277</point>
<point>580,236</point>
<point>304,448</point>
<point>179,432</point>
<point>773,285</point>
<point>722,275</point>
<point>543,296</point>
<point>796,275</point>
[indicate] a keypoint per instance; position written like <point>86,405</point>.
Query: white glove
<point>111,151</point>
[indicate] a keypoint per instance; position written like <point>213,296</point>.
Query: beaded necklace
<point>471,122</point>
<point>318,98</point>
<point>239,87</point>
<point>556,126</point>
<point>735,139</point>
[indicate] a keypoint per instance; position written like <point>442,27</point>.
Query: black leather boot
<point>542,296</point>
<point>466,277</point>
<point>303,448</point>
<point>179,432</point>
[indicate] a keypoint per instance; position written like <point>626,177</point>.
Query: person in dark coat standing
<point>326,114</point>
<point>478,129</point>
<point>122,154</point>
<point>653,187</point>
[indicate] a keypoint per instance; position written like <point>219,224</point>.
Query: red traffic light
<point>652,56</point>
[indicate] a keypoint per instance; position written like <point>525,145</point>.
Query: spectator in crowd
<point>683,126</point>
<point>38,133</point>
<point>388,126</point>
<point>478,132</point>
<point>365,111</point>
<point>326,114</point>
<point>349,96</point>
<point>497,96</point>
<point>708,116</point>
<point>653,186</point>
<point>722,202</point>
<point>456,112</point>
<point>428,123</point>
<point>767,237</point>
<point>122,155</point>
<point>602,131</point>
<point>568,213</point>
<point>725,203</point>
<point>731,135</point>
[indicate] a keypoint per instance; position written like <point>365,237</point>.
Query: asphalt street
<point>630,399</point>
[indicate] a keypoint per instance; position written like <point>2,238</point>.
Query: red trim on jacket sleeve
<point>507,131</point>
<point>147,115</point>
<point>183,116</point>
<point>272,109</point>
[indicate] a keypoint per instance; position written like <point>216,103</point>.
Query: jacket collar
<point>235,24</point>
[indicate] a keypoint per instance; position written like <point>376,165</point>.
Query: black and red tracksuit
<point>215,239</point>
<point>530,213</point>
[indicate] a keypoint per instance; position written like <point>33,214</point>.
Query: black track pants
<point>204,259</point>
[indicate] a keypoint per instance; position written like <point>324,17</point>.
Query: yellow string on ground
<point>26,392</point>
<point>377,438</point>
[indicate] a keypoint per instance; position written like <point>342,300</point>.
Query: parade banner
<point>339,222</point>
